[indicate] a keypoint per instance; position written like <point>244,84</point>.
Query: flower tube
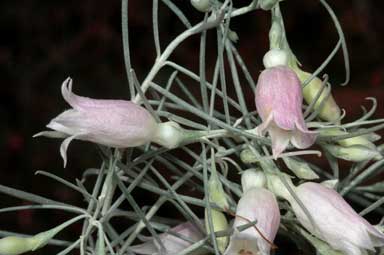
<point>257,203</point>
<point>337,223</point>
<point>114,123</point>
<point>333,219</point>
<point>278,98</point>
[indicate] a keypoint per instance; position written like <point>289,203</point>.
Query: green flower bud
<point>300,169</point>
<point>252,178</point>
<point>14,245</point>
<point>276,186</point>
<point>202,5</point>
<point>232,35</point>
<point>329,111</point>
<point>354,153</point>
<point>218,196</point>
<point>220,223</point>
<point>357,140</point>
<point>247,156</point>
<point>363,140</point>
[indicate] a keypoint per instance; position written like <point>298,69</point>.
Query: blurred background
<point>43,42</point>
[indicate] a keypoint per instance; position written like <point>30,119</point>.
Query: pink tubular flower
<point>173,245</point>
<point>115,123</point>
<point>335,220</point>
<point>279,99</point>
<point>256,204</point>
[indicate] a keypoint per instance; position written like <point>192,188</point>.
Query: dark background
<point>43,42</point>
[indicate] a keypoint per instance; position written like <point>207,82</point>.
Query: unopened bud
<point>247,156</point>
<point>14,245</point>
<point>252,178</point>
<point>354,153</point>
<point>357,140</point>
<point>300,169</point>
<point>233,36</point>
<point>202,5</point>
<point>277,186</point>
<point>218,196</point>
<point>220,223</point>
<point>329,111</point>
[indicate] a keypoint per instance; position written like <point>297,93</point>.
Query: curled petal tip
<point>50,134</point>
<point>64,147</point>
<point>39,134</point>
<point>66,90</point>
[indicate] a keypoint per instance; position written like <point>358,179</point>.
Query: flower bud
<point>202,5</point>
<point>220,223</point>
<point>353,145</point>
<point>300,169</point>
<point>357,140</point>
<point>252,178</point>
<point>247,156</point>
<point>276,185</point>
<point>355,153</point>
<point>233,36</point>
<point>218,196</point>
<point>278,99</point>
<point>14,245</point>
<point>329,111</point>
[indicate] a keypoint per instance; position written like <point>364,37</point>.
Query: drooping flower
<point>173,245</point>
<point>336,222</point>
<point>333,219</point>
<point>257,203</point>
<point>278,100</point>
<point>115,123</point>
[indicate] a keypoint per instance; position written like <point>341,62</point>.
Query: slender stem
<point>159,63</point>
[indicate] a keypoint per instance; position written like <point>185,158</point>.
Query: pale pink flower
<point>114,123</point>
<point>173,245</point>
<point>279,99</point>
<point>256,204</point>
<point>335,220</point>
